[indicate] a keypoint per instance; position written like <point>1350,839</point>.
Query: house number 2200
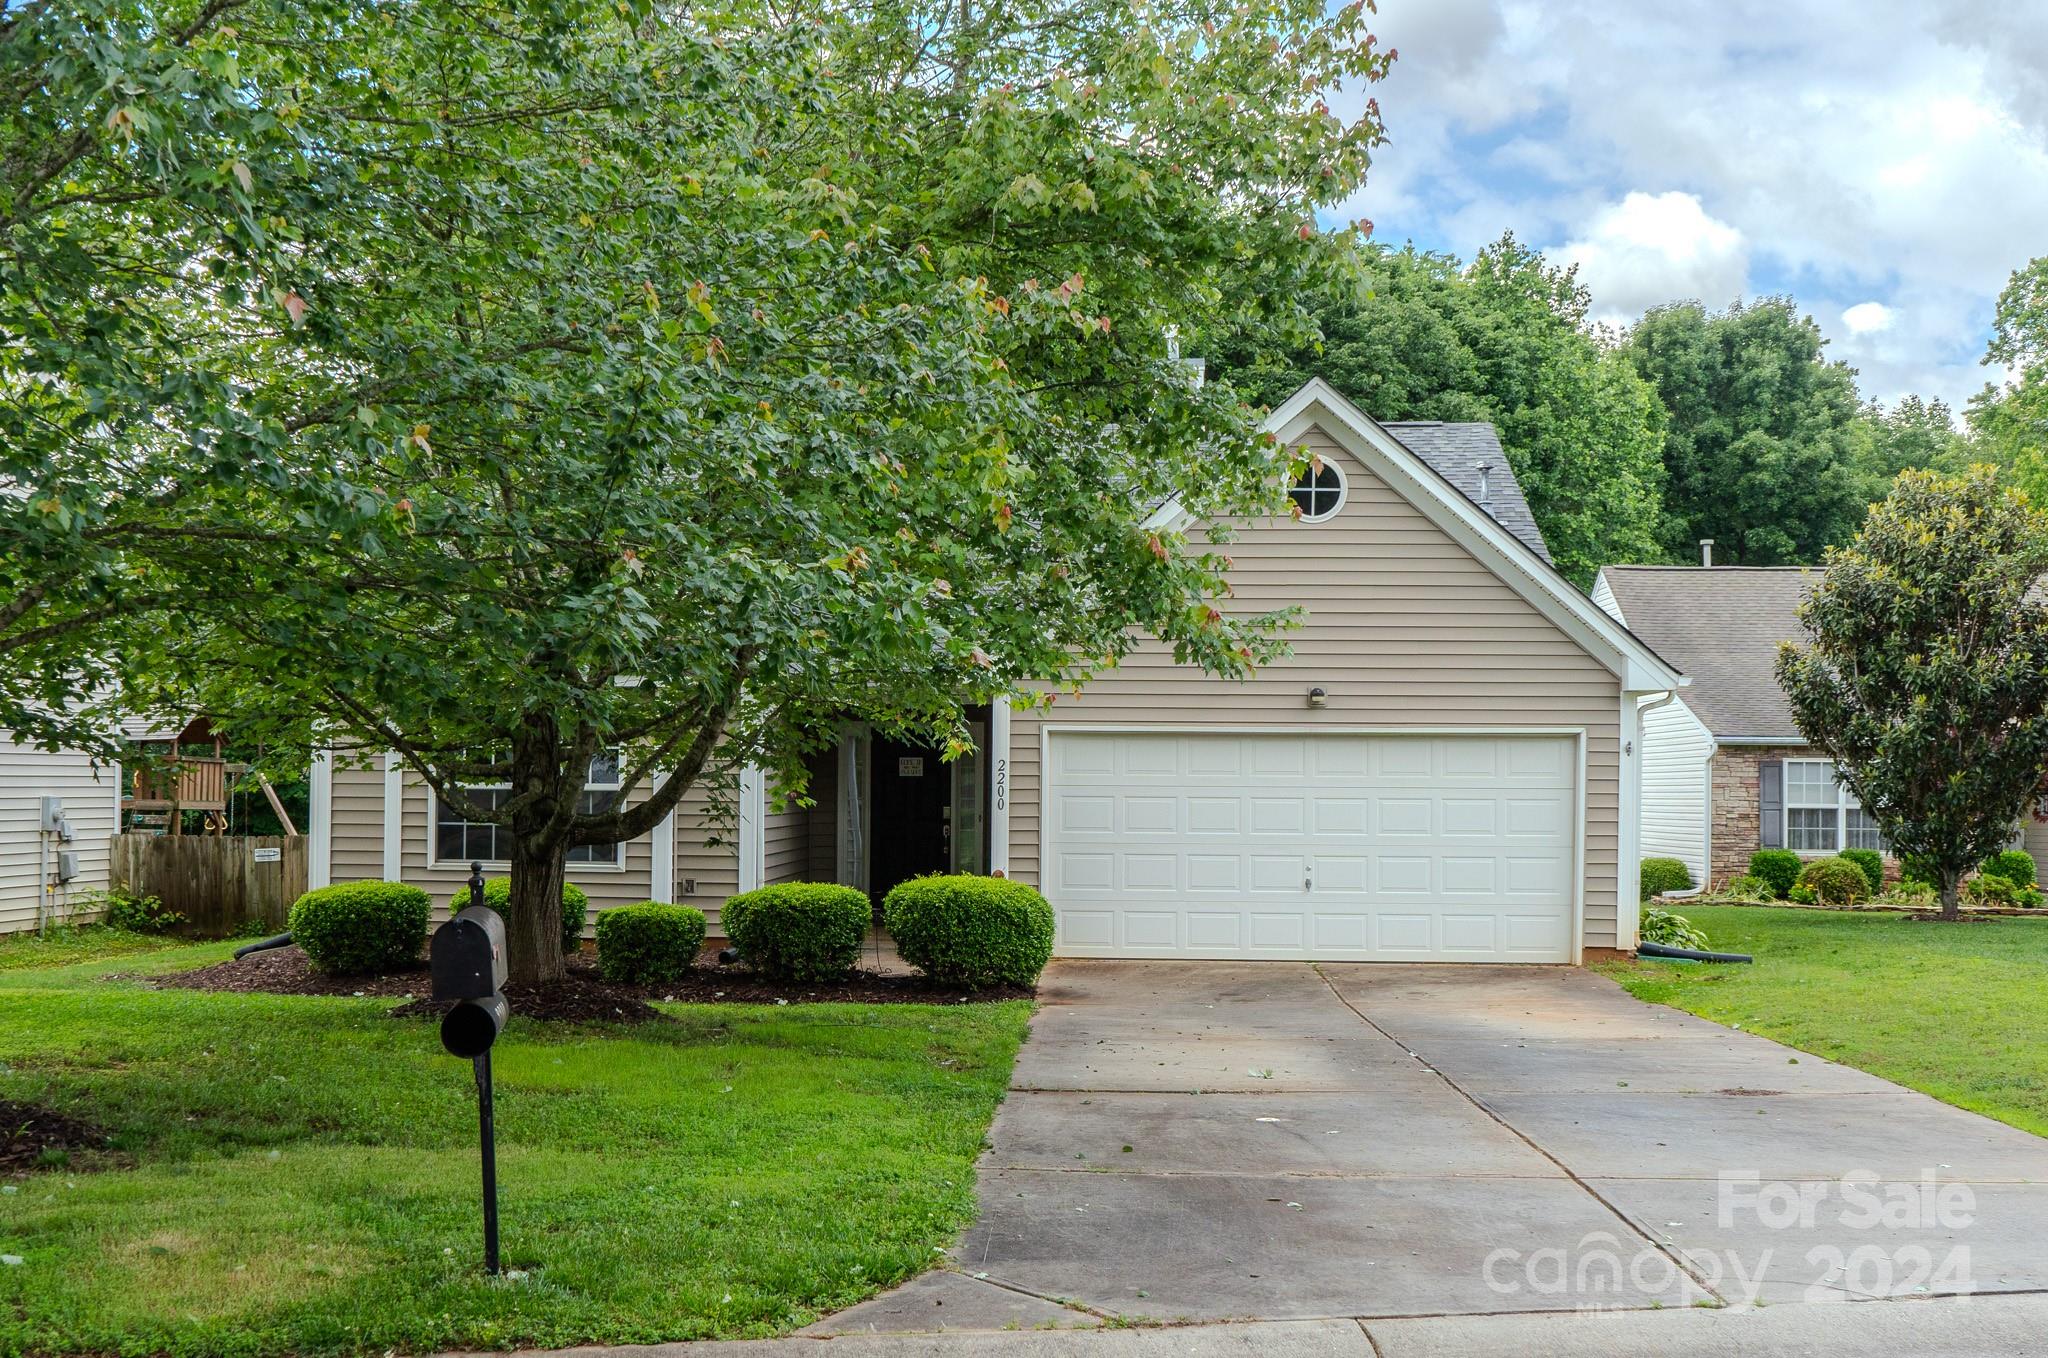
<point>1002,784</point>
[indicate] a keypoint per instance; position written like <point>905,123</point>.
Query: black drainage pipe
<point>263,945</point>
<point>1689,954</point>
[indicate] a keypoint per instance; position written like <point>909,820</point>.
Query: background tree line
<point>1633,445</point>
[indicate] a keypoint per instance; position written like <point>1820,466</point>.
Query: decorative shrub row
<point>2014,865</point>
<point>1832,881</point>
<point>971,931</point>
<point>1872,863</point>
<point>1777,867</point>
<point>361,927</point>
<point>1662,876</point>
<point>648,943</point>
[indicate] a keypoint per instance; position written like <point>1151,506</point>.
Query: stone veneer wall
<point>1735,831</point>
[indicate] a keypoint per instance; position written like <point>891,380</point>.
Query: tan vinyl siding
<point>357,832</point>
<point>1405,629</point>
<point>713,868</point>
<point>785,843</point>
<point>27,775</point>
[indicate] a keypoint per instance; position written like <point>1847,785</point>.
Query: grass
<point>1952,1010</point>
<point>75,943</point>
<point>299,1175</point>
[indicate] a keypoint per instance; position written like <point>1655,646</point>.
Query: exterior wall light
<point>1317,698</point>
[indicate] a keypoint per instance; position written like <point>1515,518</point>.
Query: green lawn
<point>84,943</point>
<point>1954,1010</point>
<point>303,1172</point>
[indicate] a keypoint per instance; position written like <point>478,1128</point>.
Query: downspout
<point>1707,804</point>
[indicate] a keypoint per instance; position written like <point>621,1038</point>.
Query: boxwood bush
<point>2014,865</point>
<point>798,931</point>
<point>648,943</point>
<point>498,896</point>
<point>970,931</point>
<point>1872,863</point>
<point>362,927</point>
<point>1779,867</point>
<point>1662,876</point>
<point>1834,881</point>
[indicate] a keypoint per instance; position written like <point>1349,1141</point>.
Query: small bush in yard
<point>1779,867</point>
<point>1747,886</point>
<point>799,931</point>
<point>136,914</point>
<point>971,931</point>
<point>498,896</point>
<point>1673,931</point>
<point>1662,876</point>
<point>1990,889</point>
<point>2015,865</point>
<point>1834,881</point>
<point>361,927</point>
<point>649,942</point>
<point>1872,863</point>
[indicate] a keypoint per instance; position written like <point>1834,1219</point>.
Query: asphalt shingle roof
<point>1721,625</point>
<point>1456,452</point>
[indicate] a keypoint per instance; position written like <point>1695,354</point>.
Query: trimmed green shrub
<point>1779,867</point>
<point>1673,931</point>
<point>1914,868</point>
<point>498,896</point>
<point>1872,863</point>
<point>2014,865</point>
<point>648,943</point>
<point>1749,887</point>
<point>971,931</point>
<point>799,931</point>
<point>362,927</point>
<point>1662,876</point>
<point>1834,881</point>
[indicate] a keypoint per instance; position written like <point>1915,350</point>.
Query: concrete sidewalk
<point>1976,1327</point>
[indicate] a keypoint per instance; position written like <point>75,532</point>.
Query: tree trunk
<point>533,934</point>
<point>1951,896</point>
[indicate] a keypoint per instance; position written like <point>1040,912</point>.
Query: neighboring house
<point>45,875</point>
<point>1438,772</point>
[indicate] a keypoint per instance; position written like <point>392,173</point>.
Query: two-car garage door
<point>1455,848</point>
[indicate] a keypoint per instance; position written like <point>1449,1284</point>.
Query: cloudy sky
<point>1885,163</point>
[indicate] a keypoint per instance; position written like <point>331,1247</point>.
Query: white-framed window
<point>1821,814</point>
<point>1319,491</point>
<point>458,841</point>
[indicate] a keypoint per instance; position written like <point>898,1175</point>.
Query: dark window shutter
<point>1770,804</point>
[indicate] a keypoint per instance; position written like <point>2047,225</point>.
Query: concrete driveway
<point>1211,1141</point>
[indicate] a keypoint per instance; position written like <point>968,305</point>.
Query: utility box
<point>55,822</point>
<point>67,864</point>
<point>467,955</point>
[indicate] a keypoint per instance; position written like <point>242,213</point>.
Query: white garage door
<point>1332,847</point>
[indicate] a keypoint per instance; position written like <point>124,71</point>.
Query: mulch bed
<point>28,1134</point>
<point>582,996</point>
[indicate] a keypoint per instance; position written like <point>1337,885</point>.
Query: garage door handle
<point>1308,876</point>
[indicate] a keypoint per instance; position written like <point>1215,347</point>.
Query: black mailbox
<point>469,1029</point>
<point>468,955</point>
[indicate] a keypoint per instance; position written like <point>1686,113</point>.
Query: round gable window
<point>1320,491</point>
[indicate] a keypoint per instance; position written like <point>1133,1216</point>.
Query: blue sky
<point>1885,163</point>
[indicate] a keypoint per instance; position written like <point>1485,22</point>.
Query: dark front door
<point>912,795</point>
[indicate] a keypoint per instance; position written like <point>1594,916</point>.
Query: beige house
<point>1444,769</point>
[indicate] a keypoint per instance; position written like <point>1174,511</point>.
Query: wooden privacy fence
<point>217,882</point>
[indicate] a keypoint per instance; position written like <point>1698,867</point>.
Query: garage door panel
<point>1359,847</point>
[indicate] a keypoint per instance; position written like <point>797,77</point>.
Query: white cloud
<point>1648,249</point>
<point>1892,152</point>
<point>1867,318</point>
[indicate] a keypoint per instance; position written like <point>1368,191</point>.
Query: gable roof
<point>1517,565</point>
<point>1723,625</point>
<point>1456,452</point>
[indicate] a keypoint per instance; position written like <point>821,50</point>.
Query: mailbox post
<point>467,960</point>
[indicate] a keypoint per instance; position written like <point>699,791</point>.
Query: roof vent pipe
<point>1485,490</point>
<point>1706,551</point>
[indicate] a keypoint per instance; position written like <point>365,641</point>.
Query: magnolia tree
<point>1925,670</point>
<point>695,379</point>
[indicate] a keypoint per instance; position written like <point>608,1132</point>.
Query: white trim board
<point>1319,405</point>
<point>320,820</point>
<point>394,817</point>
